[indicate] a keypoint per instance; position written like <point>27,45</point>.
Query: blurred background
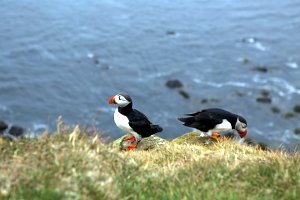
<point>66,57</point>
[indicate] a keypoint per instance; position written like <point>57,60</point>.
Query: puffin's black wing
<point>203,120</point>
<point>142,125</point>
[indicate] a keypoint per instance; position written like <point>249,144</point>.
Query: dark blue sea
<point>67,57</point>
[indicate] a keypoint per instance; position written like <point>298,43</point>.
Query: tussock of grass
<point>53,167</point>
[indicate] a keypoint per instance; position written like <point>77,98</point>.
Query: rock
<point>176,84</point>
<point>147,143</point>
<point>170,32</point>
<point>184,94</point>
<point>265,97</point>
<point>203,101</point>
<point>275,110</point>
<point>246,61</point>
<point>265,93</point>
<point>289,115</point>
<point>239,94</point>
<point>230,135</point>
<point>297,131</point>
<point>264,100</point>
<point>173,84</point>
<point>16,131</point>
<point>194,138</point>
<point>297,108</point>
<point>3,127</point>
<point>261,69</point>
<point>212,100</point>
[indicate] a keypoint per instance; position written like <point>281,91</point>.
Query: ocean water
<point>64,57</point>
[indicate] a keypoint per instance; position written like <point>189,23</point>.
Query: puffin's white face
<point>120,100</point>
<point>241,127</point>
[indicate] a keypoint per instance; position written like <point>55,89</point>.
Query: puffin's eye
<point>120,98</point>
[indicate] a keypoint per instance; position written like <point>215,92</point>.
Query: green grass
<point>51,167</point>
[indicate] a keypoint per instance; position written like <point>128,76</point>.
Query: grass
<point>52,167</point>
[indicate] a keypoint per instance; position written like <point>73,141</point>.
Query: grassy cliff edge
<point>52,167</point>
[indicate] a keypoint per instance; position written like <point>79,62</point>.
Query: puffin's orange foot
<point>215,135</point>
<point>132,138</point>
<point>130,148</point>
<point>218,137</point>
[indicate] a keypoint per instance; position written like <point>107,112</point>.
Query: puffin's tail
<point>155,129</point>
<point>152,130</point>
<point>187,121</point>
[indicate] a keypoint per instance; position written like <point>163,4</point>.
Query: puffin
<point>132,121</point>
<point>213,120</point>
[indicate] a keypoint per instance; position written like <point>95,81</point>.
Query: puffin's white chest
<point>225,125</point>
<point>122,122</point>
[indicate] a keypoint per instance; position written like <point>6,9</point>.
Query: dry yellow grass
<point>52,167</point>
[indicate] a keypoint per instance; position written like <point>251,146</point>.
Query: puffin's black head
<point>121,99</point>
<point>241,126</point>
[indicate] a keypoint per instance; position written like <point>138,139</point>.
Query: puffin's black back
<point>207,119</point>
<point>139,122</point>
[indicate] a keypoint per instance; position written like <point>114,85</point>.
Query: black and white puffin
<point>214,120</point>
<point>131,120</point>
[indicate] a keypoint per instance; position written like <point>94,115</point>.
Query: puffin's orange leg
<point>129,148</point>
<point>132,138</point>
<point>217,137</point>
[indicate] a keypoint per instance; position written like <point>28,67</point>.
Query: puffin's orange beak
<point>112,100</point>
<point>243,134</point>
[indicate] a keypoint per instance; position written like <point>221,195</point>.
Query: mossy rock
<point>194,138</point>
<point>147,143</point>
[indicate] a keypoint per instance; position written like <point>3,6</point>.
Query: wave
<point>3,108</point>
<point>280,86</point>
<point>219,85</point>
